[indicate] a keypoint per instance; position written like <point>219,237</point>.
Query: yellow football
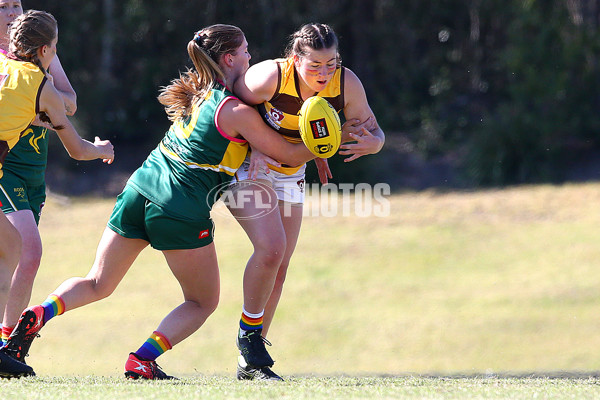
<point>320,127</point>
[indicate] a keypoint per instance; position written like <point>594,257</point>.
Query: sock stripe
<point>54,305</point>
<point>60,304</point>
<point>161,341</point>
<point>6,331</point>
<point>156,345</point>
<point>249,323</point>
<point>156,348</point>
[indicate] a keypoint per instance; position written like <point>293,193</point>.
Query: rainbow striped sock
<point>6,331</point>
<point>156,345</point>
<point>251,322</point>
<point>53,306</point>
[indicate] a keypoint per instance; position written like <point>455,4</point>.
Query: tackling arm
<point>238,119</point>
<point>258,83</point>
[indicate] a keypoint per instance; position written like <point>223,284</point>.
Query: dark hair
<point>30,31</point>
<point>312,36</point>
<point>205,50</point>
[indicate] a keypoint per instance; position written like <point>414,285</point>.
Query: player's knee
<point>206,306</point>
<point>29,264</point>
<point>212,304</point>
<point>272,259</point>
<point>33,252</point>
<point>270,252</point>
<point>101,289</point>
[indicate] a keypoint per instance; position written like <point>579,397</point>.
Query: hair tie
<point>197,37</point>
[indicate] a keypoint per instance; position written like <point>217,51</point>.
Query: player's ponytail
<point>205,50</point>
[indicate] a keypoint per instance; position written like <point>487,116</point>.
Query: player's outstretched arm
<point>52,104</point>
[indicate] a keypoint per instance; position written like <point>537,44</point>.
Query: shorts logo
<point>203,234</point>
<point>319,128</point>
<point>301,185</point>
<point>20,193</point>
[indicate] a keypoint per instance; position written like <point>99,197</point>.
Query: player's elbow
<point>293,159</point>
<point>295,162</point>
<point>70,104</point>
<point>78,153</point>
<point>70,109</point>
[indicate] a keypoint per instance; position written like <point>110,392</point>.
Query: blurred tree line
<point>506,91</point>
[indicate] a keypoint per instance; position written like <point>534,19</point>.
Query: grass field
<point>299,387</point>
<point>460,294</point>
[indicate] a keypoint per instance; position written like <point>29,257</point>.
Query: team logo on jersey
<point>274,117</point>
<point>33,140</point>
<point>203,234</point>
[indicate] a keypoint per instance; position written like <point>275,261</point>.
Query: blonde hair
<point>205,50</point>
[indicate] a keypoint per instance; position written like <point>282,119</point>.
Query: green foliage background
<point>504,91</point>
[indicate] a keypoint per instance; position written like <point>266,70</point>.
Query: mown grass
<point>340,387</point>
<point>472,283</point>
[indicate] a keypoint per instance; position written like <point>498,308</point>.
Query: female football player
<point>312,67</point>
<point>25,90</point>
<point>23,189</point>
<point>166,202</point>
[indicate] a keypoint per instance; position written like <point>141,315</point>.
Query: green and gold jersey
<point>29,157</point>
<point>193,163</point>
<point>281,112</point>
<point>20,87</point>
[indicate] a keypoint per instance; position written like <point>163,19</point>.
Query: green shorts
<point>16,195</point>
<point>136,217</point>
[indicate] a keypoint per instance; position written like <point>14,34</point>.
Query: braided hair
<point>29,32</point>
<point>205,50</point>
<point>313,36</point>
